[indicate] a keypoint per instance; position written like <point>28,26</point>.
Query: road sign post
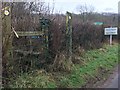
<point>110,39</point>
<point>111,31</point>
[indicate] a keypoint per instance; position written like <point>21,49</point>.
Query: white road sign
<point>111,31</point>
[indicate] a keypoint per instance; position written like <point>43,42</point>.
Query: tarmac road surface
<point>112,81</point>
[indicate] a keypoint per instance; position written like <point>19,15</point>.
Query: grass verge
<point>97,64</point>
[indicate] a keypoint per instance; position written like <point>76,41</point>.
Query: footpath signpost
<point>69,34</point>
<point>6,42</point>
<point>111,31</point>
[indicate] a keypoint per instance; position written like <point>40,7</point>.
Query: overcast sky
<point>99,5</point>
<point>71,5</point>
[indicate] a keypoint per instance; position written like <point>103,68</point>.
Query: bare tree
<point>85,11</point>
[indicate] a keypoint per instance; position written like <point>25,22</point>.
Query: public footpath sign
<point>111,31</point>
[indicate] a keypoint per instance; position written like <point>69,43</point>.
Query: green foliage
<point>73,81</point>
<point>98,64</point>
<point>36,80</point>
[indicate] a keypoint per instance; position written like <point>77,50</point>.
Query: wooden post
<point>6,41</point>
<point>0,45</point>
<point>45,24</point>
<point>69,34</point>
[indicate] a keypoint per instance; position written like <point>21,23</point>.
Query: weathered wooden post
<point>0,45</point>
<point>45,25</point>
<point>6,40</point>
<point>69,34</point>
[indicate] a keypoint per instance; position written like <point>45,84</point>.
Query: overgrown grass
<point>97,64</point>
<point>37,79</point>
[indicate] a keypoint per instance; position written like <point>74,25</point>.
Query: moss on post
<point>69,34</point>
<point>6,41</point>
<point>45,25</point>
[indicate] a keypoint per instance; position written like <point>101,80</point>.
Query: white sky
<point>99,5</point>
<point>71,5</point>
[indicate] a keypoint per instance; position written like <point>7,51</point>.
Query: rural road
<point>112,81</point>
